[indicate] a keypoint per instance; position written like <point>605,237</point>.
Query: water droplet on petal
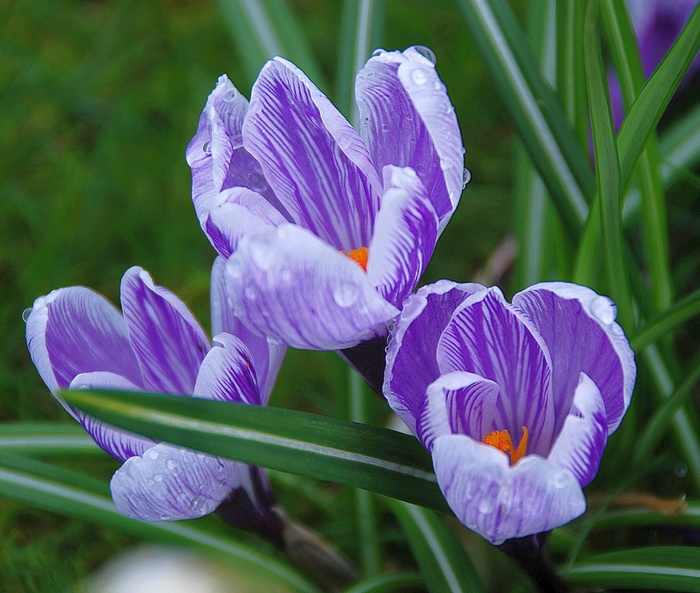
<point>486,505</point>
<point>237,140</point>
<point>262,254</point>
<point>234,269</point>
<point>250,293</point>
<point>559,480</point>
<point>26,313</point>
<point>385,127</point>
<point>39,302</point>
<point>681,470</point>
<point>378,52</point>
<point>165,516</point>
<point>158,477</point>
<point>466,177</point>
<point>230,95</point>
<point>427,53</point>
<point>170,464</point>
<point>418,76</point>
<point>345,295</point>
<point>206,147</point>
<point>344,141</point>
<point>152,454</point>
<point>196,504</point>
<point>604,310</point>
<point>255,107</point>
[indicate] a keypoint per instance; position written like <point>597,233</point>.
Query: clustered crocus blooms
<point>327,229</point>
<point>79,340</point>
<point>514,402</point>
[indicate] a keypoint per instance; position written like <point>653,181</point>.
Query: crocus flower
<point>656,24</point>
<point>78,339</point>
<point>515,402</point>
<point>327,229</point>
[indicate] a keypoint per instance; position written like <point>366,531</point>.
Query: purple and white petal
<point>457,403</point>
<point>407,120</point>
<point>120,444</point>
<point>303,292</point>
<point>486,336</point>
<point>314,160</point>
<point>411,362</point>
<point>266,353</point>
<point>166,338</point>
<point>75,330</point>
<point>170,483</point>
<point>405,234</point>
<point>501,502</point>
<point>579,326</point>
<point>581,442</point>
<point>227,373</point>
<point>236,212</point>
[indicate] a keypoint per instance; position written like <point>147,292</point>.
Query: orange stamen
<point>501,440</point>
<point>360,255</point>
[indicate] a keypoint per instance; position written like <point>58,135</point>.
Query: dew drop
<point>26,313</point>
<point>466,177</point>
<point>418,76</point>
<point>40,302</point>
<point>165,516</point>
<point>378,52</point>
<point>237,140</point>
<point>230,95</point>
<point>604,310</point>
<point>559,480</point>
<point>344,141</point>
<point>262,254</point>
<point>385,127</point>
<point>486,505</point>
<point>427,53</point>
<point>152,454</point>
<point>234,268</point>
<point>196,504</point>
<point>158,477</point>
<point>206,147</point>
<point>681,470</point>
<point>345,295</point>
<point>170,464</point>
<point>255,107</point>
<point>250,293</point>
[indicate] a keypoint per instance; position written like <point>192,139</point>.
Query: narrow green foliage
<point>388,583</point>
<point>666,322</point>
<point>47,439</point>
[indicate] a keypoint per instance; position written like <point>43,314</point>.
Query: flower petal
<point>167,339</point>
<point>581,442</point>
<point>315,161</point>
<point>579,326</point>
<point>236,212</point>
<point>266,353</point>
<point>75,330</point>
<point>407,120</point>
<point>486,336</point>
<point>227,373</point>
<point>411,361</point>
<point>118,443</point>
<point>216,154</point>
<point>169,483</point>
<point>499,501</point>
<point>287,283</point>
<point>404,238</point>
<point>458,403</point>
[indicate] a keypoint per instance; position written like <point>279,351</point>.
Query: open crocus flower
<point>327,230</point>
<point>78,339</point>
<point>515,402</point>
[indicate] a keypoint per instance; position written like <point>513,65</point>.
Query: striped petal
<point>407,120</point>
<point>166,338</point>
<point>289,284</point>
<point>487,337</point>
<point>404,238</point>
<point>315,161</point>
<point>500,501</point>
<point>411,360</point>
<point>170,483</point>
<point>579,326</point>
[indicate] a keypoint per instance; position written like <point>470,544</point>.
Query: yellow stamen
<point>501,440</point>
<point>360,256</point>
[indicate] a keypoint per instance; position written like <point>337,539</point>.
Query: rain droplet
<point>345,295</point>
<point>170,464</point>
<point>604,310</point>
<point>165,516</point>
<point>559,480</point>
<point>418,76</point>
<point>681,470</point>
<point>39,302</point>
<point>230,95</point>
<point>158,477</point>
<point>233,268</point>
<point>438,86</point>
<point>262,254</point>
<point>255,107</point>
<point>486,505</point>
<point>237,140</point>
<point>378,52</point>
<point>206,147</point>
<point>344,141</point>
<point>385,127</point>
<point>196,504</point>
<point>427,53</point>
<point>466,177</point>
<point>250,293</point>
<point>26,313</point>
<point>152,454</point>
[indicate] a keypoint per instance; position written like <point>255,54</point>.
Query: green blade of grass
<point>70,493</point>
<point>46,439</point>
<point>671,568</point>
<point>607,166</point>
<point>442,559</point>
<point>388,583</point>
<point>534,108</point>
<point>640,517</point>
<point>388,462</point>
<point>667,322</point>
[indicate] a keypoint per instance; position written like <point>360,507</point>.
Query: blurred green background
<point>97,103</point>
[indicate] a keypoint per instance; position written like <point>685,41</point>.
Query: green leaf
<point>262,29</point>
<point>388,583</point>
<point>358,455</point>
<point>46,438</point>
<point>442,559</point>
<point>70,493</point>
<point>534,108</point>
<point>666,322</point>
<point>639,517</point>
<point>671,568</point>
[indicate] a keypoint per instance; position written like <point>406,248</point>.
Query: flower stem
<point>530,553</point>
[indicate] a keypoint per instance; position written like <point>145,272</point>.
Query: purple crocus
<point>327,229</point>
<point>515,402</point>
<point>78,339</point>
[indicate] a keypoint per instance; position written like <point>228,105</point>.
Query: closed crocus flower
<point>327,229</point>
<point>515,402</point>
<point>78,339</point>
